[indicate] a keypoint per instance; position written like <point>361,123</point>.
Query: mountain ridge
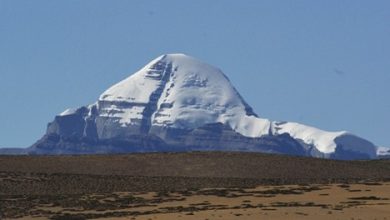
<point>178,103</point>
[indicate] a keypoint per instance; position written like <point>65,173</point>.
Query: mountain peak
<point>177,90</point>
<point>189,104</point>
<point>176,56</point>
<point>138,86</point>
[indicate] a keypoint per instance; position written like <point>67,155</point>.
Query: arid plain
<point>207,185</point>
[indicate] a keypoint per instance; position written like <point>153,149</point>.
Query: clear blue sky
<point>323,63</point>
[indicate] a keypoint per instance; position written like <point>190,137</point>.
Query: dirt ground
<point>196,185</point>
<point>368,200</point>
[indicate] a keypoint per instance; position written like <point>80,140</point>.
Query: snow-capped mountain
<point>178,103</point>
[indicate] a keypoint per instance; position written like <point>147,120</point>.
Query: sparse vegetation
<point>62,187</point>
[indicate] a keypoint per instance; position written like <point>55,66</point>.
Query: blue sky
<point>322,63</point>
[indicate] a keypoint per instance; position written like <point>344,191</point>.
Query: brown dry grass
<point>207,185</point>
<point>317,201</point>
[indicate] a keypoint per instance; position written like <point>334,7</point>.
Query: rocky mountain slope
<point>178,103</point>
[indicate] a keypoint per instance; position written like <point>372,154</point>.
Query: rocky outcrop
<point>76,134</point>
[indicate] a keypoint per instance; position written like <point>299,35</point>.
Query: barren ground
<point>192,186</point>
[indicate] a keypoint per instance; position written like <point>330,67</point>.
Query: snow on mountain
<point>192,93</point>
<point>176,94</point>
<point>383,151</point>
<point>68,111</point>
<point>324,141</point>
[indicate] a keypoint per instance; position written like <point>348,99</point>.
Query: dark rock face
<point>85,132</point>
<point>77,134</point>
<point>75,125</point>
<point>342,151</point>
